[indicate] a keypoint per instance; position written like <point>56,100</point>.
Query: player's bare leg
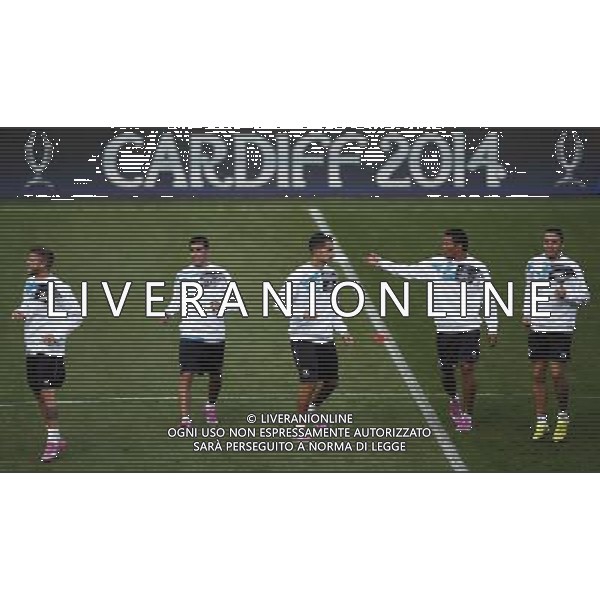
<point>49,409</point>
<point>540,399</point>
<point>448,378</point>
<point>469,386</point>
<point>184,391</point>
<point>558,371</point>
<point>327,388</point>
<point>323,390</point>
<point>38,397</point>
<point>462,417</point>
<point>539,387</point>
<point>215,383</point>
<point>305,394</point>
<point>314,395</point>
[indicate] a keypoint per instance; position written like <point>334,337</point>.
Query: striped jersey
<point>327,323</point>
<point>39,325</point>
<point>561,272</point>
<point>214,281</point>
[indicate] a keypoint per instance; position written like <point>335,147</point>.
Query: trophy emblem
<point>569,163</point>
<point>38,166</point>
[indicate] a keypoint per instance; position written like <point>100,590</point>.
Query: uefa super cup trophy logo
<point>39,166</point>
<point>569,163</point>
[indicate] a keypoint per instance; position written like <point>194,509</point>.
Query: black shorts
<point>550,346</point>
<point>201,357</point>
<point>315,362</point>
<point>454,348</point>
<point>45,372</point>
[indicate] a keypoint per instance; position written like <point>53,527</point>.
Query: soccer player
<point>458,338</point>
<point>45,340</point>
<point>202,343</point>
<point>312,337</point>
<point>551,336</point>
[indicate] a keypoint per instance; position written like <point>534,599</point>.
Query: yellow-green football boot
<point>541,429</point>
<point>561,429</point>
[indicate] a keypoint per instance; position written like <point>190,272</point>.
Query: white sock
<point>313,408</point>
<point>185,419</point>
<point>53,435</point>
<point>563,416</point>
<point>542,417</point>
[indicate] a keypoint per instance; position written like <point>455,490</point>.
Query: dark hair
<point>459,237</point>
<point>318,240</point>
<point>46,254</point>
<point>200,239</point>
<point>556,231</point>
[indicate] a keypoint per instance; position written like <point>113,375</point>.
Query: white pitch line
<point>416,391</point>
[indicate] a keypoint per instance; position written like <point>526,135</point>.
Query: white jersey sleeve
<point>65,301</point>
<point>217,295</point>
<point>578,292</point>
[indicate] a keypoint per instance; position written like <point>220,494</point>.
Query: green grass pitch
<point>119,398</point>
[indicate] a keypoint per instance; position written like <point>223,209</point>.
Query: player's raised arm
<point>424,270</point>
